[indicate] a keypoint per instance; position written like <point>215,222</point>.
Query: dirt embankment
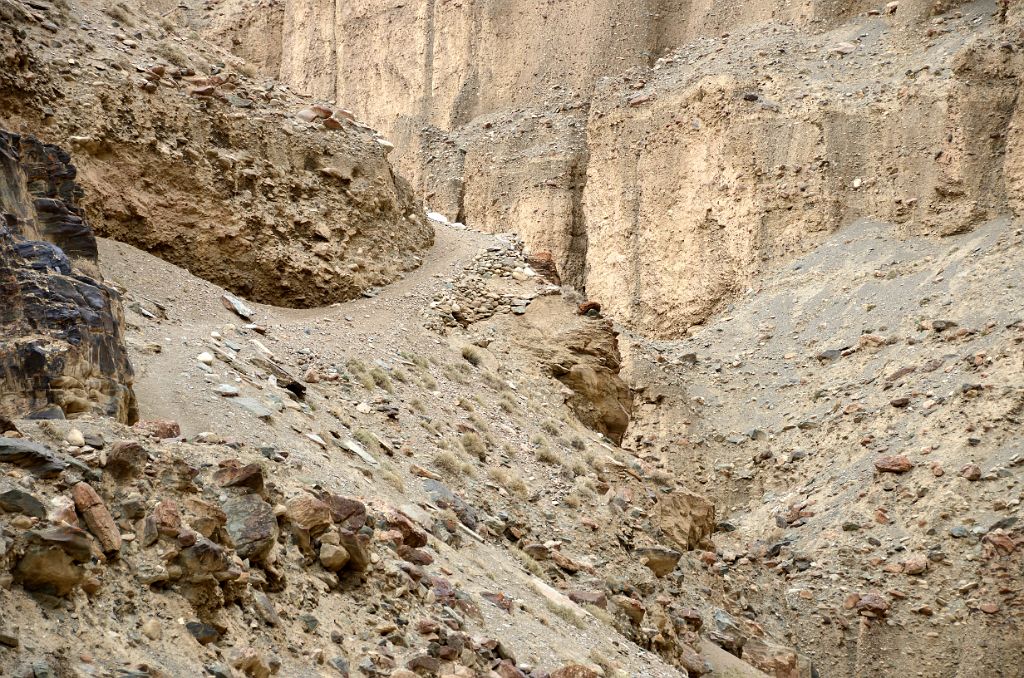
<point>184,155</point>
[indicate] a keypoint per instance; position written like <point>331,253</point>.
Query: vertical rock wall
<point>61,345</point>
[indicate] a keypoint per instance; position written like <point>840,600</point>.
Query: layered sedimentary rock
<point>62,351</point>
<point>676,150</point>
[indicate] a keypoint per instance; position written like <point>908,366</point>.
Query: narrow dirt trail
<point>166,383</point>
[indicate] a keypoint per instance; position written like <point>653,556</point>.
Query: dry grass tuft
<point>474,445</point>
<point>472,355</point>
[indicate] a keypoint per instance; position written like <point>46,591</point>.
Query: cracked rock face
<point>62,351</point>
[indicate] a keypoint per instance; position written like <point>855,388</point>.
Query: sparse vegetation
<point>171,52</point>
<point>494,381</point>
<point>508,403</point>
<point>472,355</point>
<point>367,440</point>
<point>446,461</point>
<point>248,70</point>
<point>549,427</point>
<point>474,445</point>
<point>381,379</point>
<point>531,565</point>
<point>466,404</point>
<point>566,613</point>
<point>546,455</point>
<point>121,13</point>
<point>390,475</point>
<point>578,443</point>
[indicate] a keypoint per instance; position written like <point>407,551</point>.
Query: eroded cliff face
<point>200,165</point>
<point>62,351</point>
<point>676,149</point>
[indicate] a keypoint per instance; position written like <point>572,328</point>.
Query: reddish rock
<point>414,556</point>
<point>989,608</point>
<point>692,661</point>
<point>971,472</point>
<point>345,512</point>
<point>565,562</point>
<point>167,518</point>
<point>872,604</point>
<point>595,598</point>
<point>160,428</point>
<point>587,307</point>
<point>544,264</point>
<point>233,474</point>
<point>332,123</point>
<point>126,460</point>
<point>896,463</point>
<point>97,517</point>
<point>411,534</point>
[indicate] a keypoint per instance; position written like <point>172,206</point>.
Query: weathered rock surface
<point>583,355</point>
<point>62,350</point>
<point>686,518</point>
<point>767,159</point>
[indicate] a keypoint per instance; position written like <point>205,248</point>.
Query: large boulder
<point>686,519</point>
<point>62,350</point>
<point>583,354</point>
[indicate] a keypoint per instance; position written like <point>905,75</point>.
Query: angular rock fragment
<point>251,526</point>
<point>38,459</point>
<point>686,519</point>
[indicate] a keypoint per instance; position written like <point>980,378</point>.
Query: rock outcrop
<point>584,356</point>
<point>62,351</point>
<point>236,180</point>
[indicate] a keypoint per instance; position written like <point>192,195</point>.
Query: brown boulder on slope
<point>687,519</point>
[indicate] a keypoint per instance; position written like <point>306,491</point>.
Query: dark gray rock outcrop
<point>62,349</point>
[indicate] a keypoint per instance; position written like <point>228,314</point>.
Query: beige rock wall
<point>691,196</point>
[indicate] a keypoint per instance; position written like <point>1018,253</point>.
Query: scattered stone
<point>204,633</point>
<point>971,472</point>
<point>16,500</point>
<point>151,629</point>
<point>127,459</point>
<point>160,428</point>
<point>659,559</point>
<point>233,303</point>
<point>251,526</point>
<point>97,517</point>
<point>894,464</point>
<point>687,519</point>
